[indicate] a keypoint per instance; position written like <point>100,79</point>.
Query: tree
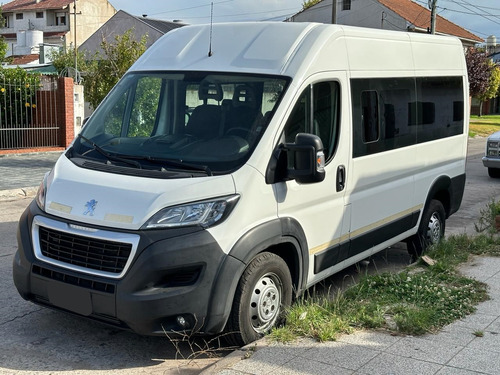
<point>309,3</point>
<point>492,88</point>
<point>65,61</point>
<point>102,70</point>
<point>478,70</point>
<point>106,68</point>
<point>3,45</point>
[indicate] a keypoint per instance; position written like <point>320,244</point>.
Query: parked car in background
<point>491,159</point>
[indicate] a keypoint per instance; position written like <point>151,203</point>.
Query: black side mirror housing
<point>302,161</point>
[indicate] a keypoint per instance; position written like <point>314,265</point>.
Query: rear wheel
<point>494,172</point>
<point>263,294</point>
<point>430,231</point>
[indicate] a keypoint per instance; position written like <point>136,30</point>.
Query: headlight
<point>204,213</point>
<point>41,193</point>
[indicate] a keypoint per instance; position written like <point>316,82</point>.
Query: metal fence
<point>28,113</point>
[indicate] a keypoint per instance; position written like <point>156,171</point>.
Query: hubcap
<point>265,302</point>
<point>434,229</point>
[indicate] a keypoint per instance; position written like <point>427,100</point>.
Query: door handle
<point>340,178</point>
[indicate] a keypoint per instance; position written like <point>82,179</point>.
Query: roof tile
<point>421,17</point>
<point>22,5</point>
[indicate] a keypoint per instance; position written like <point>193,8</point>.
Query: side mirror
<point>302,161</point>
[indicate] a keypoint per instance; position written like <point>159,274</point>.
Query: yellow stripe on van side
<point>364,230</point>
<point>320,248</point>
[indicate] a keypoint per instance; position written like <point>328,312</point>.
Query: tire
<point>430,231</point>
<point>494,172</point>
<point>263,295</point>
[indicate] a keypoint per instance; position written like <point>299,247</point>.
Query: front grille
<point>86,252</point>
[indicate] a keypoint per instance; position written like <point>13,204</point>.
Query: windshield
<point>191,122</point>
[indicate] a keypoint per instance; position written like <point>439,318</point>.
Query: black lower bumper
<point>167,287</point>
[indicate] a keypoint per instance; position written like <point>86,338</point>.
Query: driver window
<point>317,112</point>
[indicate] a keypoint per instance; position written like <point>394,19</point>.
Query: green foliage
<point>487,217</point>
<point>63,60</point>
<point>102,70</point>
<point>3,44</point>
<point>484,126</point>
<point>17,96</point>
<point>493,82</point>
<point>107,68</point>
<point>309,3</point>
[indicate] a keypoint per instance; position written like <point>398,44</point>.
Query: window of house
<point>317,112</point>
<point>60,19</point>
<point>346,4</point>
<point>39,14</point>
<point>19,16</point>
<point>5,21</point>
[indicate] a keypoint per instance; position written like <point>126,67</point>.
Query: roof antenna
<point>211,26</point>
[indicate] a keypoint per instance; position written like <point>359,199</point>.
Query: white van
<point>231,169</point>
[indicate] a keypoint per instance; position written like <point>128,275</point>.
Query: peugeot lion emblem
<point>90,207</point>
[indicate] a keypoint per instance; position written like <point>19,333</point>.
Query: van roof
<point>289,48</point>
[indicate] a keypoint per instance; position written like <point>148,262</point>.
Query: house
<point>122,22</point>
<point>29,24</point>
<point>400,15</point>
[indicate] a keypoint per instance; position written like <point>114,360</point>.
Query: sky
<point>481,17</point>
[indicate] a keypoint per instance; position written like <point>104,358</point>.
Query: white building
<point>400,15</point>
<point>31,23</point>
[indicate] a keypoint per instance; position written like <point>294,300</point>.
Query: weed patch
<point>418,300</point>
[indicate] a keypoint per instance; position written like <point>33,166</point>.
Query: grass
<point>419,300</point>
<point>484,126</point>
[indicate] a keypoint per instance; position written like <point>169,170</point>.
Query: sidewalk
<point>21,174</point>
<point>453,351</point>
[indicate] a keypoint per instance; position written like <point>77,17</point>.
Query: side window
<point>300,119</point>
<point>383,115</point>
<point>317,112</point>
<point>440,107</point>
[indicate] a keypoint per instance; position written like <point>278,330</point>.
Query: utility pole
<point>75,50</point>
<point>334,12</point>
<point>432,7</point>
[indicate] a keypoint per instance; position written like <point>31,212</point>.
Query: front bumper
<point>491,162</point>
<point>169,281</point>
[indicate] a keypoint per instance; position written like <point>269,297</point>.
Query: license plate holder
<point>70,298</point>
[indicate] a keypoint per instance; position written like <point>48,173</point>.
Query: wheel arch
<point>283,237</point>
<point>441,191</point>
<point>449,191</point>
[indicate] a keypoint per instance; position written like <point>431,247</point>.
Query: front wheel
<point>263,294</point>
<point>430,231</point>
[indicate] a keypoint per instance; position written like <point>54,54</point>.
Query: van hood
<point>119,201</point>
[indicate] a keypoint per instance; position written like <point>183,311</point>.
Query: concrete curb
<point>235,356</point>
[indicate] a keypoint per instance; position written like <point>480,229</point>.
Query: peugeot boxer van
<point>236,165</point>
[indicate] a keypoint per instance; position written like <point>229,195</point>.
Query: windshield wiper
<point>175,163</point>
<point>109,156</point>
